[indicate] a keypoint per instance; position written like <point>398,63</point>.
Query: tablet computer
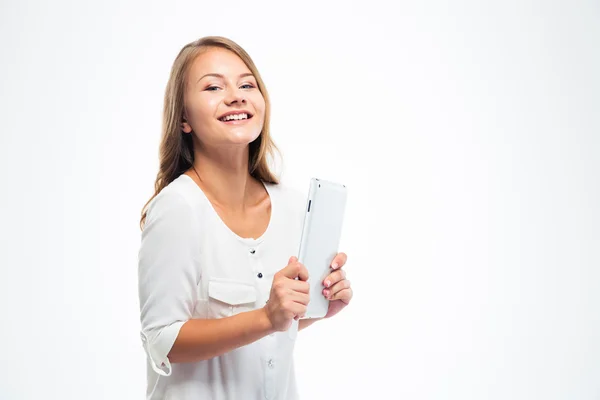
<point>323,219</point>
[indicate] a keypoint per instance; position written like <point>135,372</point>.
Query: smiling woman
<point>221,293</point>
<point>206,63</point>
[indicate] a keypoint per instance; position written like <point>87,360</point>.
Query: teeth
<point>234,117</point>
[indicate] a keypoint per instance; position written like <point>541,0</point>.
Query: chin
<point>243,136</point>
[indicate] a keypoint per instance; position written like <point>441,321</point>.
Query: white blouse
<point>191,265</point>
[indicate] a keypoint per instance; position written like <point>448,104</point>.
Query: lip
<point>250,115</point>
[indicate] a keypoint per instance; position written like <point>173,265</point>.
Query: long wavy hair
<point>176,153</point>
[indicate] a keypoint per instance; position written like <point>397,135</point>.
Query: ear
<point>185,126</point>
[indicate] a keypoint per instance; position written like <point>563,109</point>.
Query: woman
<point>219,299</point>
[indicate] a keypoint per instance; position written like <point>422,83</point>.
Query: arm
<point>305,323</point>
<point>202,339</point>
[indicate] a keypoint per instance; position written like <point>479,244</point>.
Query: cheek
<point>202,110</point>
<point>259,106</point>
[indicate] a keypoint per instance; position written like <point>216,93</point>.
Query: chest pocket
<point>227,298</point>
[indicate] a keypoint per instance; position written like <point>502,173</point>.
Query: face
<point>222,103</point>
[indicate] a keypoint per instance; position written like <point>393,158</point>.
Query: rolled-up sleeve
<point>168,275</point>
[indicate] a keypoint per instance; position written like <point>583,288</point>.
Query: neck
<point>224,176</point>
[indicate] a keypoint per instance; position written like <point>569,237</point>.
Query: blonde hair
<point>176,148</point>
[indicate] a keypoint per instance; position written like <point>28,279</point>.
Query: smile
<point>235,117</point>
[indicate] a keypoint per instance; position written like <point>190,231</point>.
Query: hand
<point>337,287</point>
<point>289,297</point>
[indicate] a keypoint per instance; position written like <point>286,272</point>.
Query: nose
<point>235,96</point>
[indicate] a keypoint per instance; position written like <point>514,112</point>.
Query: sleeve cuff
<point>157,346</point>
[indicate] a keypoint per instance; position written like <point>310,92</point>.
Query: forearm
<point>202,339</point>
<point>305,323</point>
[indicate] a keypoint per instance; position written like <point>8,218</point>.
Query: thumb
<point>292,259</point>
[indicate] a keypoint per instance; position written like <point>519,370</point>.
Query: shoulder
<point>175,199</point>
<point>287,192</point>
<point>288,198</point>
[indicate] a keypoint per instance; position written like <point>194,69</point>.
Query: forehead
<point>218,61</point>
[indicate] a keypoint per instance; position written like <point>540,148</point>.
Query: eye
<point>212,88</point>
<point>247,86</point>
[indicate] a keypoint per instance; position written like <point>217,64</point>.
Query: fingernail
<point>334,265</point>
<point>327,283</point>
<point>326,293</point>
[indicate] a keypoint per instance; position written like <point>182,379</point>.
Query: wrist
<point>264,321</point>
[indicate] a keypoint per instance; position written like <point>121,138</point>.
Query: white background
<point>469,138</point>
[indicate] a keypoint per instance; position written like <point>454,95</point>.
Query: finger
<point>341,285</point>
<point>339,261</point>
<point>299,286</point>
<point>295,270</point>
<point>302,272</point>
<point>300,298</point>
<point>344,295</point>
<point>297,309</point>
<point>334,278</point>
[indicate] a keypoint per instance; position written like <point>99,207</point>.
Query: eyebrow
<point>222,76</point>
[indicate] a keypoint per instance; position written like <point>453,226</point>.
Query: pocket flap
<point>233,293</point>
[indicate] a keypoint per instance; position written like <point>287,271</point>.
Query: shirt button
<point>260,275</point>
<point>271,364</point>
<point>252,251</point>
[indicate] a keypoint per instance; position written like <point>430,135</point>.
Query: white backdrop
<point>468,136</point>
